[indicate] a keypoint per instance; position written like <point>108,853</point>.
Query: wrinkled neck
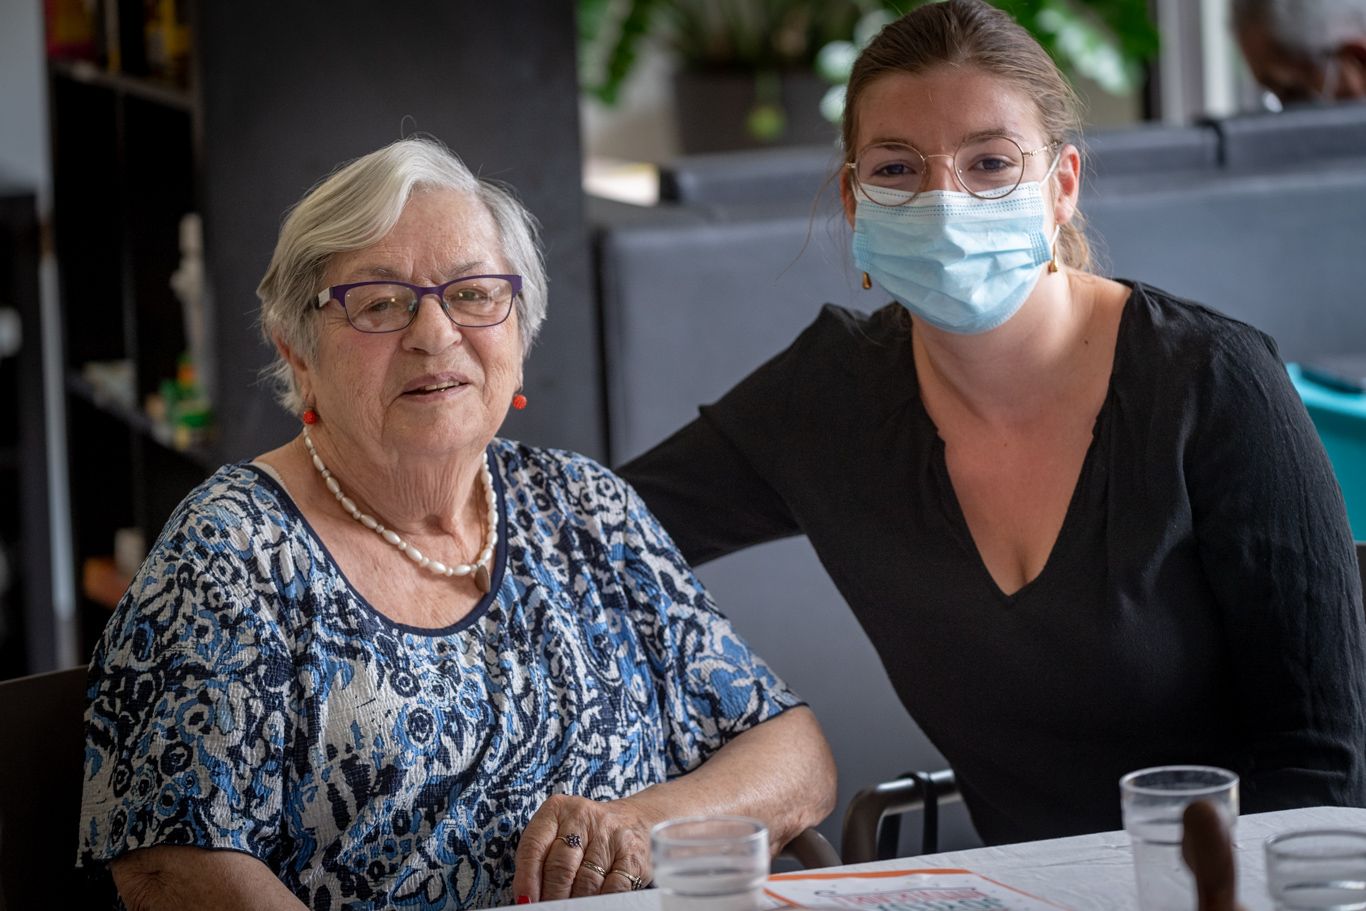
<point>410,494</point>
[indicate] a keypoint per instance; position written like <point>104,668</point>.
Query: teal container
<point>1340,418</point>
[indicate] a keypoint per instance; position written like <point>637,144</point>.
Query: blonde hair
<point>970,33</point>
<point>356,206</point>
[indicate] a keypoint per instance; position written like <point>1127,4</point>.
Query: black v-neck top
<point>1202,602</point>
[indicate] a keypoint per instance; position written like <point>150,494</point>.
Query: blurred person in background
<point>1304,50</point>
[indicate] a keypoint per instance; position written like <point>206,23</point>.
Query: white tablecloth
<point>1086,872</point>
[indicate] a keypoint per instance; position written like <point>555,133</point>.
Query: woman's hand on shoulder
<point>574,846</point>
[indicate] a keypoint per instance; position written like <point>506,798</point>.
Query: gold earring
<point>867,282</point>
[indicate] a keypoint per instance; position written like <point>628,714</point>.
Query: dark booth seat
<point>797,174</point>
<point>1281,251</point>
<point>739,178</point>
<point>1152,149</point>
<point>1299,138</point>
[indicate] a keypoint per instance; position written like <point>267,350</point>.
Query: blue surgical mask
<point>960,263</point>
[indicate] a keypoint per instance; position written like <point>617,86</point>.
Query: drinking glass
<point>1317,870</point>
<point>1152,801</point>
<point>717,863</point>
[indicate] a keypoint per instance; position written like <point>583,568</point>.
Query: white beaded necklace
<point>479,568</point>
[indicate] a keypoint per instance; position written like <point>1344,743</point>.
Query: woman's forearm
<point>177,878</point>
<point>780,772</point>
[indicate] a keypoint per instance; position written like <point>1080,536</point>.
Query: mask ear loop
<point>1057,160</point>
<point>1057,229</point>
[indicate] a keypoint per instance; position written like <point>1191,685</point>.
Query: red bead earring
<point>519,401</point>
<point>310,416</point>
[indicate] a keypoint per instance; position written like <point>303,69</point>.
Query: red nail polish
<point>524,899</point>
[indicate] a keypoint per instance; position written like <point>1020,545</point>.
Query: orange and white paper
<point>900,890</point>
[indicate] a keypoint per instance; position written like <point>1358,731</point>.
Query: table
<point>1085,872</point>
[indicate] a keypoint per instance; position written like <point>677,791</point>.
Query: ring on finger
<point>636,881</point>
<point>601,871</point>
<point>570,841</point>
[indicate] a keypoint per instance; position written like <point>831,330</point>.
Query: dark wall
<point>290,88</point>
<point>27,628</point>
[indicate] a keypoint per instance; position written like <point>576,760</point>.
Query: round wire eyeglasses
<point>988,167</point>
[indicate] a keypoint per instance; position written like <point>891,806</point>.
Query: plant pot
<point>714,108</point>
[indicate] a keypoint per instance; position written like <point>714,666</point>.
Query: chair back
<point>872,828</point>
<point>40,793</point>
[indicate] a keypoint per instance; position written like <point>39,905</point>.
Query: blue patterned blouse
<point>246,697</point>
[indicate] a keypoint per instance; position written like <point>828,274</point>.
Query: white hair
<point>357,205</point>
<point>1309,27</point>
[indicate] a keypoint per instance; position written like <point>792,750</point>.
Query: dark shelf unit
<point>200,456</point>
<point>124,173</point>
<point>155,91</point>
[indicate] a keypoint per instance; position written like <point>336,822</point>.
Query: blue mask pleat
<point>963,264</point>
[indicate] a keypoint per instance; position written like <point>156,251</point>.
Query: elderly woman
<point>1108,502</point>
<point>399,661</point>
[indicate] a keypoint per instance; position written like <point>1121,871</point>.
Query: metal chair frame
<point>869,834</point>
<point>811,849</point>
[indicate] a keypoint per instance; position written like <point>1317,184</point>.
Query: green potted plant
<point>746,72</point>
<point>756,72</point>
